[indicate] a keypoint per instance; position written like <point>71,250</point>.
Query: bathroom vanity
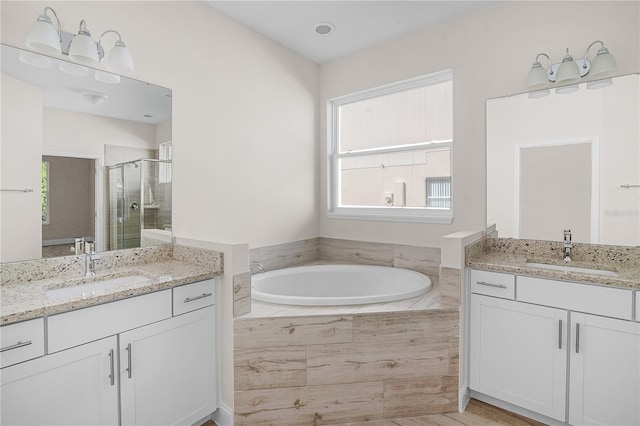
<point>560,342</point>
<point>146,356</point>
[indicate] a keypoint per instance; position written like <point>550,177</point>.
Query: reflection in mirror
<point>64,127</point>
<point>566,162</point>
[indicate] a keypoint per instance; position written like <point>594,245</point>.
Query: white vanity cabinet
<point>129,362</point>
<point>518,354</point>
<point>604,371</point>
<point>546,348</point>
<point>77,386</point>
<point>167,371</point>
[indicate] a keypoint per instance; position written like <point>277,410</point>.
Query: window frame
<point>388,213</point>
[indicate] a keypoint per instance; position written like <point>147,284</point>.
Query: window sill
<point>393,214</point>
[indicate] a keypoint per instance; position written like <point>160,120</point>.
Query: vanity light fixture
<point>44,37</point>
<point>570,71</point>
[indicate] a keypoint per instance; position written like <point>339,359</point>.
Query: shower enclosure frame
<point>127,205</point>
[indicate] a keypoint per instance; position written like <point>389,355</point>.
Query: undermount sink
<point>97,287</point>
<point>567,268</point>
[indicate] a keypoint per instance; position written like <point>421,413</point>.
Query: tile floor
<point>477,414</point>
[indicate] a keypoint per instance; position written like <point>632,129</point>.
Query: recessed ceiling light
<point>95,98</point>
<point>324,28</point>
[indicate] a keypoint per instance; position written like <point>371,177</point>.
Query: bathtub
<point>338,285</point>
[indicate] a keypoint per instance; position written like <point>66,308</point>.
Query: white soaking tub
<point>338,285</point>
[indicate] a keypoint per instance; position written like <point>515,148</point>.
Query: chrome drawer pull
<point>191,299</point>
<point>16,346</point>
<point>491,284</point>
<point>559,334</point>
<point>112,368</point>
<point>128,370</point>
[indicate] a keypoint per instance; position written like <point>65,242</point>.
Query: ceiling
<point>358,24</point>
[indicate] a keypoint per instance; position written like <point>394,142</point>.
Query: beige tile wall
<point>421,259</point>
<point>336,369</point>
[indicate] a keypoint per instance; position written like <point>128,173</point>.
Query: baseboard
<point>223,416</point>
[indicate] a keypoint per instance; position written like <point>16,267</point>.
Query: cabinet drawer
<point>493,284</point>
<point>85,325</point>
<point>194,296</point>
<point>21,341</point>
<point>607,301</point>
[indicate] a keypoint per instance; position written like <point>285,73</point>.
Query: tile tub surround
<point>330,250</point>
<point>330,369</point>
<point>510,255</point>
<point>24,283</point>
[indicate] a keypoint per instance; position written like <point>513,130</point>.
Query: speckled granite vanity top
<point>30,289</point>
<point>512,256</point>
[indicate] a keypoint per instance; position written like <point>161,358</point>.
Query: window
<point>439,192</point>
<point>390,151</point>
<point>165,153</point>
<point>44,172</point>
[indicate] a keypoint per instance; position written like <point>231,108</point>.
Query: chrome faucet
<point>567,245</point>
<point>258,266</point>
<point>89,265</point>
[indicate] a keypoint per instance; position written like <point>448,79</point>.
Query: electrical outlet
<point>388,198</point>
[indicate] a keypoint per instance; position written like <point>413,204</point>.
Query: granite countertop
<point>510,256</point>
<point>32,298</point>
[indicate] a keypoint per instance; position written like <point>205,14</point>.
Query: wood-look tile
<point>294,331</point>
<point>420,396</point>
<point>450,285</point>
<point>267,368</point>
<point>405,325</point>
<point>310,405</point>
<point>372,361</point>
<point>286,255</point>
<point>422,259</point>
<point>356,252</point>
<point>241,294</point>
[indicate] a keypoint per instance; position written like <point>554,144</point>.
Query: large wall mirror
<point>84,154</point>
<point>566,161</point>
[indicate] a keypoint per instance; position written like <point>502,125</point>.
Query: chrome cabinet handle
<point>16,346</point>
<point>191,299</point>
<point>491,284</point>
<point>559,334</point>
<point>577,338</point>
<point>129,360</point>
<point>112,368</point>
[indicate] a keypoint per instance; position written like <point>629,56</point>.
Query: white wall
<point>21,159</point>
<point>490,51</point>
<point>73,132</point>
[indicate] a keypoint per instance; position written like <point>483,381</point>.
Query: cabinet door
<point>77,386</point>
<point>605,371</point>
<point>518,354</point>
<point>167,370</point>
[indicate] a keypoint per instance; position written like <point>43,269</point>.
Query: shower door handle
<point>134,206</point>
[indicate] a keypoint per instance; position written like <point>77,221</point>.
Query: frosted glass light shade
<point>604,64</point>
<point>599,84</point>
<point>567,89</point>
<point>120,60</point>
<point>83,49</point>
<point>537,77</point>
<point>43,37</point>
<point>568,72</point>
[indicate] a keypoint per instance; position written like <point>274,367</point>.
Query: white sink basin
<point>566,268</point>
<point>97,288</point>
